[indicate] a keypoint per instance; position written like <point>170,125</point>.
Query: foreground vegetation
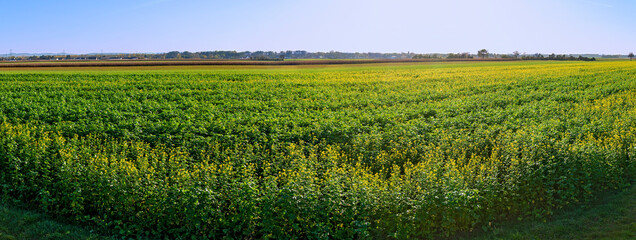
<point>19,224</point>
<point>345,152</point>
<point>610,217</point>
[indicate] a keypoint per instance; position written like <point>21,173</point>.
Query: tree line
<point>255,55</point>
<point>561,57</point>
<point>301,54</point>
<point>483,53</point>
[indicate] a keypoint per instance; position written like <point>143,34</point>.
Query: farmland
<point>233,62</point>
<point>392,150</point>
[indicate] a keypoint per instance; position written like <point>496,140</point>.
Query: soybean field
<point>381,151</point>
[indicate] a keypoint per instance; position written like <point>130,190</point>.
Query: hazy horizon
<point>212,50</point>
<point>155,26</point>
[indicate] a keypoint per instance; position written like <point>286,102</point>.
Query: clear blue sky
<point>501,26</point>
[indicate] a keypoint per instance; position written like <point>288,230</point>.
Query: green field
<point>395,150</point>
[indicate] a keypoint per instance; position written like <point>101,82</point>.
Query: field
<point>223,62</point>
<point>399,150</point>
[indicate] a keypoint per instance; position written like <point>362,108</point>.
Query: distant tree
<point>173,54</point>
<point>459,55</point>
<point>426,56</point>
<point>516,54</point>
<point>482,53</point>
<point>186,54</point>
<point>631,55</point>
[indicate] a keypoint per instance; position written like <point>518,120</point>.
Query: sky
<point>500,26</point>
